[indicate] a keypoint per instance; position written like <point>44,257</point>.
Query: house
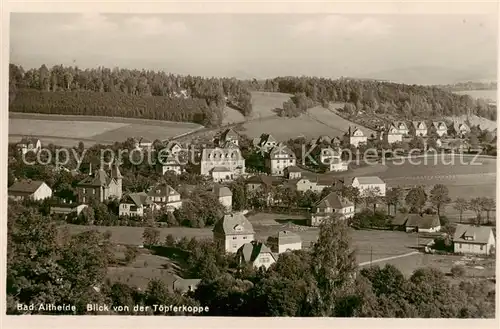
<point>333,203</point>
<point>228,161</point>
<point>164,196</point>
<point>338,165</point>
<point>262,182</point>
<point>284,241</point>
<point>280,157</point>
<point>315,184</point>
<point>265,142</point>
<point>422,223</point>
<point>460,129</point>
<point>184,286</point>
<point>293,172</point>
<point>390,134</point>
<point>440,128</point>
<point>170,163</point>
<point>232,231</point>
<point>134,204</point>
<point>419,128</point>
<point>228,135</point>
<point>61,207</point>
<point>322,140</point>
<point>479,240</point>
<point>257,254</point>
<point>369,183</point>
<point>29,189</point>
<point>174,148</point>
<point>100,186</point>
<point>29,145</point>
<point>355,137</point>
<point>224,195</point>
<point>142,143</point>
<point>401,127</point>
<point>327,154</point>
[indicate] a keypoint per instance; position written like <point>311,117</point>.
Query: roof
<point>423,221</point>
<point>354,131</point>
<point>250,251</point>
<point>29,140</point>
<point>437,124</point>
<point>26,186</point>
<point>458,126</point>
<point>281,149</point>
<point>185,285</point>
<point>222,191</point>
<point>138,199</point>
<point>369,180</point>
<point>220,169</point>
<point>233,224</point>
<point>266,138</point>
<point>335,201</point>
<point>417,123</point>
<point>264,179</point>
<point>214,154</point>
<point>398,124</point>
<point>98,178</point>
<point>143,140</point>
<point>478,234</point>
<point>162,189</point>
<point>288,237</point>
<point>228,134</point>
<point>293,169</point>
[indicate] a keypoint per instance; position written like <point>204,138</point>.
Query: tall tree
<point>476,205</point>
<point>461,205</point>
<point>488,205</point>
<point>416,198</point>
<point>439,197</point>
<point>394,197</point>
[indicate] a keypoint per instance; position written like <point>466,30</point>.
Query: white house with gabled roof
<point>366,183</point>
<point>469,239</point>
<point>232,231</point>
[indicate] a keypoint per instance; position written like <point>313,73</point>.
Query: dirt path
<point>388,258</point>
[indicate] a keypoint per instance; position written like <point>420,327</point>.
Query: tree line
<point>400,100</point>
<point>124,92</point>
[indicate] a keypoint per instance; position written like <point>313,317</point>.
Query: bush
<point>131,254</point>
<point>170,241</point>
<point>457,271</point>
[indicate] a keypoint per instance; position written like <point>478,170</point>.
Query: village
<point>337,191</point>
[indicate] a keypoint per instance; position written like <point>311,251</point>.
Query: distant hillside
<point>474,120</point>
<point>429,75</point>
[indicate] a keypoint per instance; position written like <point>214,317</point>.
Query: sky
<point>259,45</point>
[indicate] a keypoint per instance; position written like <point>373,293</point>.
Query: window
<point>460,245</point>
<point>83,199</point>
<point>133,208</point>
<point>244,238</point>
<point>84,190</point>
<point>481,247</point>
<point>235,246</point>
<point>93,191</point>
<point>234,238</point>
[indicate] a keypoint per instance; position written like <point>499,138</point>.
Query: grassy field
<point>265,103</point>
<point>69,130</point>
<point>329,118</point>
<point>232,116</point>
<point>475,120</point>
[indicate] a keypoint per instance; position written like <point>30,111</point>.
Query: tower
<point>117,176</point>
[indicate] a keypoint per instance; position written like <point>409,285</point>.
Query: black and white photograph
<point>298,165</point>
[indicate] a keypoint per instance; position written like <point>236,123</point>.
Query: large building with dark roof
<point>330,205</point>
<point>100,186</point>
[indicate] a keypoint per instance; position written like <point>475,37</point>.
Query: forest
<point>163,96</point>
<point>125,93</point>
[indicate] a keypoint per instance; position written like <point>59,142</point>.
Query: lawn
<point>338,124</point>
<point>232,116</point>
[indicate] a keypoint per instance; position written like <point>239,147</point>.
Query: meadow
<point>69,130</point>
<point>264,103</point>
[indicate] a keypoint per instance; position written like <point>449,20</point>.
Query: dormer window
<point>238,228</point>
<point>158,191</point>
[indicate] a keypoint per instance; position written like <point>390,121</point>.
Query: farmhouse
<point>257,254</point>
<point>333,203</point>
<point>478,240</point>
<point>401,127</point>
<point>422,223</point>
<point>29,189</point>
<point>284,241</point>
<point>228,135</point>
<point>232,231</point>
<point>228,158</point>
<point>460,129</point>
<point>100,186</point>
<point>165,196</point>
<point>280,157</point>
<point>184,286</point>
<point>265,142</point>
<point>419,128</point>
<point>134,204</point>
<point>367,183</point>
<point>355,137</point>
<point>224,195</point>
<point>440,128</point>
<point>29,145</point>
<point>293,172</point>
